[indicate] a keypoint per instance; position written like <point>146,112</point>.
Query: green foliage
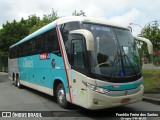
<point>151,81</point>
<point>152,32</point>
<point>45,20</point>
<point>14,31</point>
<point>80,13</point>
<point>156,61</point>
<point>10,34</point>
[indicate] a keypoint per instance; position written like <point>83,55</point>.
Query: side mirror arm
<point>149,44</point>
<point>89,39</point>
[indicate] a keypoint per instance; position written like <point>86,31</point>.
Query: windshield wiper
<point>116,64</point>
<point>129,61</point>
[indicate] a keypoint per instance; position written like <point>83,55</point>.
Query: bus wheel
<point>18,84</point>
<point>14,80</point>
<point>61,96</point>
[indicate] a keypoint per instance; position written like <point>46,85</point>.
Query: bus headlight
<point>97,89</point>
<point>92,87</point>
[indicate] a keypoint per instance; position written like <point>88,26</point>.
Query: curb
<point>151,100</point>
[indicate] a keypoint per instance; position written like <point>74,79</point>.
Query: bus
<point>79,60</point>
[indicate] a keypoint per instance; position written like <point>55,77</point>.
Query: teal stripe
<point>123,87</point>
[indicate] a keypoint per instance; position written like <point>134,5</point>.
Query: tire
<point>14,80</point>
<point>61,96</point>
<point>18,84</point>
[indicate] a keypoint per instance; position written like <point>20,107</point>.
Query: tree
<point>46,20</point>
<point>80,13</point>
<point>50,17</point>
<point>14,31</point>
<point>152,32</point>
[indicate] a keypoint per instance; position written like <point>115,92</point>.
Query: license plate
<point>125,100</point>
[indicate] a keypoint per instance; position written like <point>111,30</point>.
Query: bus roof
<point>65,20</point>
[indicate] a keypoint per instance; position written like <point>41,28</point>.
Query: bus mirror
<point>149,44</point>
<point>89,39</point>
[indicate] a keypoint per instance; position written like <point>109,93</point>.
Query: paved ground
<point>14,99</point>
<point>149,66</point>
<point>154,98</point>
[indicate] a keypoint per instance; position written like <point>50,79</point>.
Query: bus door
<point>79,90</point>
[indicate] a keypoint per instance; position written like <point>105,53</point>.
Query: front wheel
<point>61,96</point>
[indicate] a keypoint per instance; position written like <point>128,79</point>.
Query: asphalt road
<point>26,99</point>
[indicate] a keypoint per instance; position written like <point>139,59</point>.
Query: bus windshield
<point>115,52</point>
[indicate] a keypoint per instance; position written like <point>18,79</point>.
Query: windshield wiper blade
<point>129,61</point>
<point>116,64</point>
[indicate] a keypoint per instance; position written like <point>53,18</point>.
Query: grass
<point>151,81</point>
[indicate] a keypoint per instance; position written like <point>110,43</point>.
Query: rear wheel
<point>14,80</point>
<point>61,96</point>
<point>18,84</point>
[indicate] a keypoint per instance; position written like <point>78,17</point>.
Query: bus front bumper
<point>101,101</point>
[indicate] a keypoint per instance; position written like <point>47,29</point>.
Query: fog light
<point>95,101</point>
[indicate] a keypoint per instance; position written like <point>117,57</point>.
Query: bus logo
<point>27,63</point>
<point>44,56</point>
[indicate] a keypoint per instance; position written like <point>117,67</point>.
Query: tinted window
<point>78,53</point>
<point>46,42</point>
<point>39,44</point>
<point>51,41</point>
<point>11,53</point>
<point>65,29</point>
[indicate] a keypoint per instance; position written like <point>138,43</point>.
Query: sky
<point>123,12</point>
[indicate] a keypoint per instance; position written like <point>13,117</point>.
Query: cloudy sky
<point>121,11</point>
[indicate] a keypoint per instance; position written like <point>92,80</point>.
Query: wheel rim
<point>61,95</point>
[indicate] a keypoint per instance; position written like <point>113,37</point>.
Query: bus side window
<point>49,37</point>
<point>27,48</point>
<point>56,46</point>
<point>38,44</point>
<point>51,42</point>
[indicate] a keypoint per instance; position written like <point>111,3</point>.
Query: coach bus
<point>82,61</point>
